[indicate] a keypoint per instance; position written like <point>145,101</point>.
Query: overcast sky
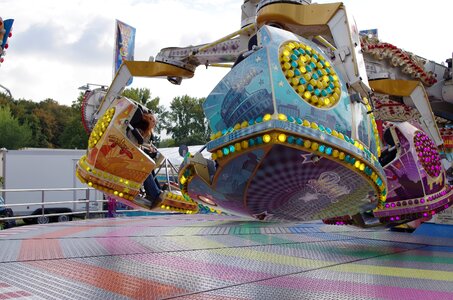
<point>57,46</point>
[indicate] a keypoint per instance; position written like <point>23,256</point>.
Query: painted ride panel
<point>417,185</point>
<point>289,143</point>
<point>116,165</point>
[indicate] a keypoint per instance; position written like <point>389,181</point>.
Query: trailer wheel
<point>64,218</point>
<point>9,223</point>
<point>43,220</point>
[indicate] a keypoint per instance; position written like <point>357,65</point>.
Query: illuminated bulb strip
<point>313,126</point>
<point>107,176</point>
<point>95,183</point>
<point>186,175</point>
<point>398,58</point>
<point>427,212</point>
<point>100,127</point>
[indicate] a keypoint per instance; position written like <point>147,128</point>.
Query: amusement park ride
<point>314,121</point>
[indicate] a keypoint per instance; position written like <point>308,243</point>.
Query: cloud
<point>58,46</point>
<point>48,41</point>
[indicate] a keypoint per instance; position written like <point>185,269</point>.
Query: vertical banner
<point>124,45</point>
<point>370,32</point>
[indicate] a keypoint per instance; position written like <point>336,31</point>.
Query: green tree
<point>185,121</point>
<point>58,118</point>
<point>74,135</point>
<point>143,96</point>
<point>166,143</point>
<point>13,135</point>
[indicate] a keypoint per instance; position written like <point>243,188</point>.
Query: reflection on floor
<point>219,257</point>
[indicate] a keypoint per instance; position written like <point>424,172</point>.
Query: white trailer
<point>43,169</point>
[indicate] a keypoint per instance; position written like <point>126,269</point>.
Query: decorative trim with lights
<point>100,127</point>
<point>105,181</point>
<point>399,58</point>
<point>126,189</point>
<point>427,154</point>
<point>244,129</point>
<point>310,75</point>
<point>416,208</point>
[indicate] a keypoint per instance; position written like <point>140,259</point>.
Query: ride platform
<point>220,257</point>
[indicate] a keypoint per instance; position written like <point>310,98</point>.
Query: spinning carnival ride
<point>294,135</point>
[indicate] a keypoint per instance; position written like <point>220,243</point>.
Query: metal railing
<point>87,211</point>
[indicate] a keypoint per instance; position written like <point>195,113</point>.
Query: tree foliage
<point>13,135</point>
<point>185,121</point>
<point>47,124</point>
<point>143,96</point>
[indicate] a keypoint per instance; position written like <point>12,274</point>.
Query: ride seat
<point>135,120</point>
<point>389,154</point>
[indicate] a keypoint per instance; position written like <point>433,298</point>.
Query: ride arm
<point>414,95</point>
<point>176,64</point>
<point>131,69</point>
<point>224,50</point>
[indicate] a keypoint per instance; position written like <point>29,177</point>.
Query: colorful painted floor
<point>216,257</point>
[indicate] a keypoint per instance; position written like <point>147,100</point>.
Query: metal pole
<point>87,204</point>
<point>42,202</point>
<point>174,170</point>
<point>166,174</point>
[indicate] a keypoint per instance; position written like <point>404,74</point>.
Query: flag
<point>124,45</point>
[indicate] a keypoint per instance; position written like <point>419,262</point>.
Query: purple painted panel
<point>295,185</point>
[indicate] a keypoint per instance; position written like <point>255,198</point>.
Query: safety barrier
<point>87,212</point>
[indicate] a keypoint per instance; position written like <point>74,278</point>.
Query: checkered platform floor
<point>220,257</point>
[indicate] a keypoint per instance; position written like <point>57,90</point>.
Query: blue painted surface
<point>435,230</point>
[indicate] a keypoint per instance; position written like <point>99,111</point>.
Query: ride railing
<point>88,210</point>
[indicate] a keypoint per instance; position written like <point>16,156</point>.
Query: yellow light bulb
<point>301,88</point>
<point>282,117</point>
<point>282,137</point>
<point>266,138</point>
<point>335,153</point>
<point>314,146</point>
